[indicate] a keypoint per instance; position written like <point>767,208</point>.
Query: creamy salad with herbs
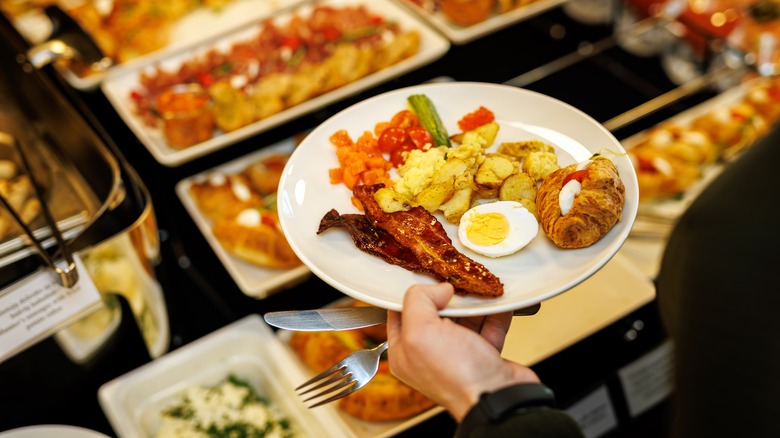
<point>231,409</point>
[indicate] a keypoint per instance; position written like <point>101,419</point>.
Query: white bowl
<point>246,348</point>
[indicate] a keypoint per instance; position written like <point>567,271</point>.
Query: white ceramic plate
<point>464,34</point>
<point>117,88</point>
<point>253,280</point>
<point>536,273</point>
<point>51,430</point>
<point>246,348</point>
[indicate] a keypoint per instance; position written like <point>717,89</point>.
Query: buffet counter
<point>580,342</point>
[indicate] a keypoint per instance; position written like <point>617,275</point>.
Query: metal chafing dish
<point>102,210</point>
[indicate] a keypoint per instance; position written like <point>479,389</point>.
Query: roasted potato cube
<point>465,181</point>
<point>391,201</point>
<point>459,203</point>
<point>516,187</point>
<point>493,171</point>
<point>487,192</point>
<point>484,135</point>
<point>232,109</point>
<point>540,164</point>
<point>521,149</point>
<point>433,196</point>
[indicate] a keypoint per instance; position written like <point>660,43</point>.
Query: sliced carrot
<point>336,175</point>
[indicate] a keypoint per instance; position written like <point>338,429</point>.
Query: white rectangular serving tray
<point>253,280</point>
<point>246,348</point>
<point>117,87</point>
<point>465,34</point>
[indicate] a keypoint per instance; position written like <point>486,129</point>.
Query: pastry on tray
<point>241,207</point>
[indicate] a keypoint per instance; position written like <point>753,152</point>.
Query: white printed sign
<point>594,413</point>
<point>38,306</point>
<point>648,380</point>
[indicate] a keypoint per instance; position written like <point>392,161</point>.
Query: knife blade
<point>342,318</point>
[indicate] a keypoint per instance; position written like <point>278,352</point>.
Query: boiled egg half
<point>498,228</point>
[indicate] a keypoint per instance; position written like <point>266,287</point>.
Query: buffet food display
<point>463,21</point>
<point>234,206</point>
<point>677,158</point>
<point>256,77</point>
<point>129,32</point>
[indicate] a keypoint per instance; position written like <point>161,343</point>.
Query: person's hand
<point>452,362</point>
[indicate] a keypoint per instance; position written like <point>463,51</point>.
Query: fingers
<point>495,328</point>
<point>422,304</point>
<point>393,327</point>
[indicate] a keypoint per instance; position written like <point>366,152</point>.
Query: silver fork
<point>346,377</point>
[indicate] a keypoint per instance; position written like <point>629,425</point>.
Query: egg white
<point>523,227</point>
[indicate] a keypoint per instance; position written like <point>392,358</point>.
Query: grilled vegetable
<point>429,118</point>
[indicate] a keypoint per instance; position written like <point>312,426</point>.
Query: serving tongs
<point>67,274</point>
<point>68,41</point>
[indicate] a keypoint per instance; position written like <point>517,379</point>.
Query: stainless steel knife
<point>341,318</point>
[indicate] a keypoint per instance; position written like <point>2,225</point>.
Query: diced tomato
<point>136,95</point>
<point>405,119</point>
<point>420,137</point>
<point>392,139</point>
<point>376,19</point>
<point>293,42</point>
<point>330,33</point>
<point>475,119</point>
<point>205,79</point>
<point>578,175</point>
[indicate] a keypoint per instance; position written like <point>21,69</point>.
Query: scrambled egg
<point>418,170</point>
<point>421,167</point>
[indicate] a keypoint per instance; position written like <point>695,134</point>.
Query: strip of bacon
<point>424,235</point>
<point>374,241</point>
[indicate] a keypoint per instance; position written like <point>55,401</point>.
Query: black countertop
<point>42,386</point>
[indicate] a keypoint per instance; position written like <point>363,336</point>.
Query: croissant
<point>595,210</point>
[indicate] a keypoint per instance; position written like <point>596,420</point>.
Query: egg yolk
<point>487,229</point>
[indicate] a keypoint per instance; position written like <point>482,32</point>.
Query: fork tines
<point>337,381</point>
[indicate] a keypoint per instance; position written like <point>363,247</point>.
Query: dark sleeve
<point>540,422</point>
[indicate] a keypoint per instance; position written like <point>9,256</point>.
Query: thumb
<point>423,302</point>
